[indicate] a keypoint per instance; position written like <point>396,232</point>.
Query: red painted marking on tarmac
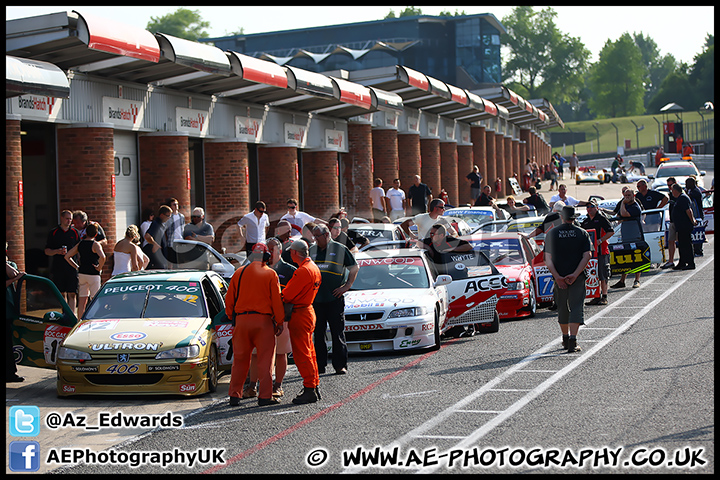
<point>320,414</point>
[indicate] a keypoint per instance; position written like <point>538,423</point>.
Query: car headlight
<point>408,312</point>
<point>191,351</point>
<point>516,285</point>
<point>65,353</point>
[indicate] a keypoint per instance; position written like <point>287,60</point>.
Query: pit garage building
<point>111,119</point>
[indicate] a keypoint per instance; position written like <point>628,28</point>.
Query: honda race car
<point>143,333</point>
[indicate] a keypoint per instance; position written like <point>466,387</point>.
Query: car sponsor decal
<point>53,335</point>
<point>84,369</point>
<point>188,387</point>
<point>190,287</point>
<point>390,261</point>
<point>629,257</point>
<point>162,368</point>
<point>123,369</point>
<point>97,347</point>
<point>97,325</point>
<point>68,388</point>
<point>166,323</point>
<point>127,336</point>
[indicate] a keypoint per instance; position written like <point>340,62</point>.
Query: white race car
<point>395,303</point>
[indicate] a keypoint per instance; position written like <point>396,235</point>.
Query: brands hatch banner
<point>295,134</point>
<point>36,107</point>
<point>249,129</point>
<point>123,113</point>
<point>192,121</point>
<point>335,139</point>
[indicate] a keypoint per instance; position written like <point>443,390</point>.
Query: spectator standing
<point>567,251</point>
<point>630,229</point>
<point>12,275</point>
<point>127,255</point>
<point>615,167</point>
<point>693,191</point>
<point>155,238</point>
<point>80,222</point>
<point>377,197</point>
<point>198,229</point>
<point>254,226</point>
<point>174,229</point>
<point>253,301</point>
<point>92,259</point>
<point>147,217</point>
<point>297,218</point>
<point>684,220</point>
<point>338,269</point>
<point>474,178</point>
<point>603,231</point>
<point>419,195</point>
<point>59,240</point>
<point>649,199</point>
<point>397,203</point>
<point>574,162</point>
<point>672,233</point>
<point>299,294</point>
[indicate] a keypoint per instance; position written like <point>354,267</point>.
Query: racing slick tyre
<point>212,370</point>
<point>533,300</point>
<point>494,327</point>
<point>436,332</point>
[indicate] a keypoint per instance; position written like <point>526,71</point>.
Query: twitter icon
<point>24,421</point>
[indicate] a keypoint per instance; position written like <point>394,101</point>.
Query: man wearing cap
<point>253,299</point>
<point>338,269</point>
<point>300,293</point>
<point>198,229</point>
<point>567,251</point>
<point>603,231</point>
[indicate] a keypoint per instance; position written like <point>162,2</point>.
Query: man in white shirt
<point>425,221</point>
<point>297,218</point>
<point>565,198</point>
<point>254,226</point>
<point>377,196</point>
<point>396,200</point>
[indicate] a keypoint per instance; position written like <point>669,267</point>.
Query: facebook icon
<point>24,456</point>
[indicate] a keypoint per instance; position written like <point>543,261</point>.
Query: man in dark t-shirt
<point>567,251</point>
<point>61,239</point>
<point>419,195</point>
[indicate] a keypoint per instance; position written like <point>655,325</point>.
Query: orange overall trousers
<point>300,291</point>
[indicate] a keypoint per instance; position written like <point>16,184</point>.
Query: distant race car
<point>592,174</point>
<point>681,170</point>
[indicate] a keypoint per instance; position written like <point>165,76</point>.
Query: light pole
<point>637,135</point>
<point>598,134</point>
<point>617,135</point>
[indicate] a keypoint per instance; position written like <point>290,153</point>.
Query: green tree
<point>446,13</point>
<point>546,62</point>
<point>616,80</point>
<point>702,74</point>
<point>657,67</point>
<point>408,12</point>
<point>183,23</point>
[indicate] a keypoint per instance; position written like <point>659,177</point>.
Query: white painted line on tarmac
<point>580,358</point>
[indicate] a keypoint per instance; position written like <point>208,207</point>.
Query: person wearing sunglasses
<point>298,218</point>
<point>198,229</point>
<point>254,226</point>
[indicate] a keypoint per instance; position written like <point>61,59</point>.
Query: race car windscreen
<point>505,251</point>
<point>391,273</point>
<point>148,300</point>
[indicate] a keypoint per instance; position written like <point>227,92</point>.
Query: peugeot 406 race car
<point>143,333</point>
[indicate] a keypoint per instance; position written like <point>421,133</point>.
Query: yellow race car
<point>154,332</point>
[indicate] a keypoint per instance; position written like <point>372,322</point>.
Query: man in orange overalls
<point>256,302</point>
<point>300,291</point>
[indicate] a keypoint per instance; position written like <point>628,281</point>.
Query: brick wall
<point>385,155</point>
<point>227,191</point>
<point>85,171</point>
<point>278,181</point>
<point>357,171</point>
<point>499,165</point>
<point>14,216</point>
<point>321,183</point>
<point>479,141</point>
<point>491,172</point>
<point>465,166</point>
<point>409,159</point>
<point>430,171</point>
<point>164,162</point>
<point>449,170</point>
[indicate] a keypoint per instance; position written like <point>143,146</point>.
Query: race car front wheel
<point>212,369</point>
<point>436,331</point>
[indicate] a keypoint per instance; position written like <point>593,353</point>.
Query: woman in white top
<point>128,255</point>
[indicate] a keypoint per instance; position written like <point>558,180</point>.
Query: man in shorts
<point>598,222</point>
